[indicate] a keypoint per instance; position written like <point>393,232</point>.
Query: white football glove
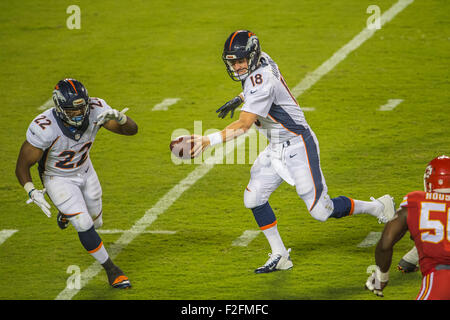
<point>37,196</point>
<point>377,281</point>
<point>112,114</point>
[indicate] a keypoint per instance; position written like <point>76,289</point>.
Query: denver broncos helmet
<point>437,175</point>
<point>241,44</point>
<point>70,95</point>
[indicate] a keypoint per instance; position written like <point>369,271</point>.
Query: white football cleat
<point>276,262</point>
<point>387,211</point>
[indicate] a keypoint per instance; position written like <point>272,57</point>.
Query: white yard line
<point>371,239</point>
<point>165,104</point>
<point>169,198</point>
<point>149,217</point>
<point>390,105</point>
<point>5,234</point>
<point>343,52</point>
<point>47,104</point>
<point>246,238</point>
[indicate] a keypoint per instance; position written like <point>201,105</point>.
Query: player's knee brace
<point>322,209</point>
<point>252,199</point>
<point>82,222</point>
<point>319,214</point>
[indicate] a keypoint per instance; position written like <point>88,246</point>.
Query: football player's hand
<point>37,196</point>
<point>112,114</point>
<point>199,144</point>
<point>375,285</point>
<point>230,106</point>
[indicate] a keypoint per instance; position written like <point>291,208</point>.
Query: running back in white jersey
<point>267,95</point>
<point>66,153</point>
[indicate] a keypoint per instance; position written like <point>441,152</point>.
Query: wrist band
<point>29,186</point>
<point>215,138</point>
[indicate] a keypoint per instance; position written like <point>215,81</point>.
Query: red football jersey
<point>429,226</point>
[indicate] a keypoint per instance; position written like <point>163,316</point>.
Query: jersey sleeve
<point>40,135</point>
<point>409,200</point>
<point>258,94</point>
<point>98,106</point>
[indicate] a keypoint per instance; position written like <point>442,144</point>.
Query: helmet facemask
<point>71,101</point>
<point>235,75</point>
<point>73,115</point>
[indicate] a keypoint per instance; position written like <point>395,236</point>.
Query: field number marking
<point>246,238</point>
<point>390,105</point>
<point>371,239</point>
<point>165,104</point>
<point>5,234</point>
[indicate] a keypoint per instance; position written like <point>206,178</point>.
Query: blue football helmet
<point>70,96</point>
<point>241,44</point>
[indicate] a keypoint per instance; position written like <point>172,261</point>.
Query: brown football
<point>181,148</point>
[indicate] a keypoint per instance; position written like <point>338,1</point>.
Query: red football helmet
<point>437,175</point>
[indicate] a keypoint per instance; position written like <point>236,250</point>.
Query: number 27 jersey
<point>66,153</point>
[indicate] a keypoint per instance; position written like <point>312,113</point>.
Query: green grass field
<point>136,54</point>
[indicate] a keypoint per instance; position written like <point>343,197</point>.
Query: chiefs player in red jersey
<point>426,214</point>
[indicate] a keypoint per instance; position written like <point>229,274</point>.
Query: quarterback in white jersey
<point>293,151</point>
<point>59,140</point>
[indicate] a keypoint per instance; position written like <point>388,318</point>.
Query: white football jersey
<point>267,95</point>
<point>66,153</point>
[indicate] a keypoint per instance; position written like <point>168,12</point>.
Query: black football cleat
<point>276,262</point>
<point>407,267</point>
<point>117,279</point>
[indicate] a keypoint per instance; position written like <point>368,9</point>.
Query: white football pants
<point>298,163</point>
<point>79,197</point>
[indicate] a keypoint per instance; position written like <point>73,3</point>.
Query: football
<point>181,148</point>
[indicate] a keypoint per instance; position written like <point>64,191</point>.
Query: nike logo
<point>292,155</point>
<point>253,91</point>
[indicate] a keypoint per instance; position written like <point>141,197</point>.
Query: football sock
<point>266,220</point>
<point>411,256</point>
<point>343,206</point>
<point>92,242</point>
<point>275,242</point>
<point>108,265</point>
<point>370,207</point>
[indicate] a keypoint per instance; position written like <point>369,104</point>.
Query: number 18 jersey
<point>66,152</point>
<point>267,95</point>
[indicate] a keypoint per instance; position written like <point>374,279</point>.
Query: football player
<point>426,215</point>
<point>59,140</point>
<point>293,151</point>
